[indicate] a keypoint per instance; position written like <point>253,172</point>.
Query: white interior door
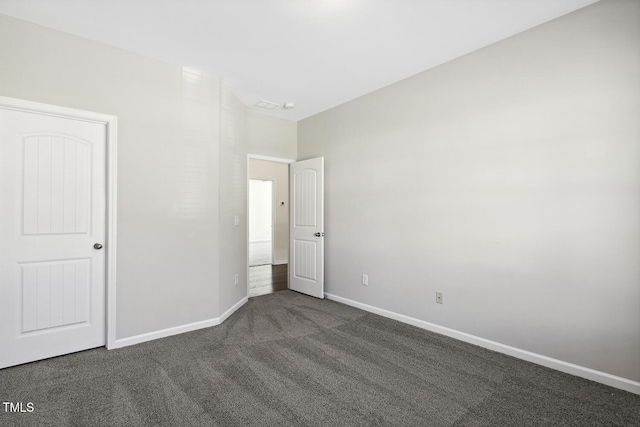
<point>52,213</point>
<point>306,263</point>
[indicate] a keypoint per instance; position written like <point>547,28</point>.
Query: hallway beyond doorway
<point>267,279</point>
<point>260,253</point>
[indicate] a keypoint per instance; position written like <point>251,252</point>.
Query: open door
<point>306,251</point>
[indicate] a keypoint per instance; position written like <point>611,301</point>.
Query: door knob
<point>319,234</point>
<point>97,246</point>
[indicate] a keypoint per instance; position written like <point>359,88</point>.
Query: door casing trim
<point>111,126</point>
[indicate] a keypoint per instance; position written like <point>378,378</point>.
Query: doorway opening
<point>260,222</point>
<point>268,231</point>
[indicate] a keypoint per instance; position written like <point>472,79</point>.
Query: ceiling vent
<point>267,105</point>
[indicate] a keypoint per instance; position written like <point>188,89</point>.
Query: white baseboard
<point>281,261</point>
<point>559,365</point>
<point>232,310</point>
<point>137,339</point>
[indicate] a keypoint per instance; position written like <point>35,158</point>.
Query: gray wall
<point>233,200</point>
<point>271,136</point>
<point>168,168</point>
<point>509,180</point>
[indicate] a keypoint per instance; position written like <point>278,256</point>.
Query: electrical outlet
<point>365,279</point>
<point>439,297</point>
<point>236,279</point>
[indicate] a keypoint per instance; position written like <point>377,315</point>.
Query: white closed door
<point>52,213</point>
<point>306,259</point>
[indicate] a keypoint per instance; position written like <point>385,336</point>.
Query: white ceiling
<point>314,53</point>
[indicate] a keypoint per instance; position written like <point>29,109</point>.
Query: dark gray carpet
<point>288,359</point>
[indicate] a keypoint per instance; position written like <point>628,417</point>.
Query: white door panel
<point>306,265</point>
<point>52,280</point>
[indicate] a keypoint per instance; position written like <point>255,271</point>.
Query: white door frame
<point>269,159</point>
<point>111,124</point>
